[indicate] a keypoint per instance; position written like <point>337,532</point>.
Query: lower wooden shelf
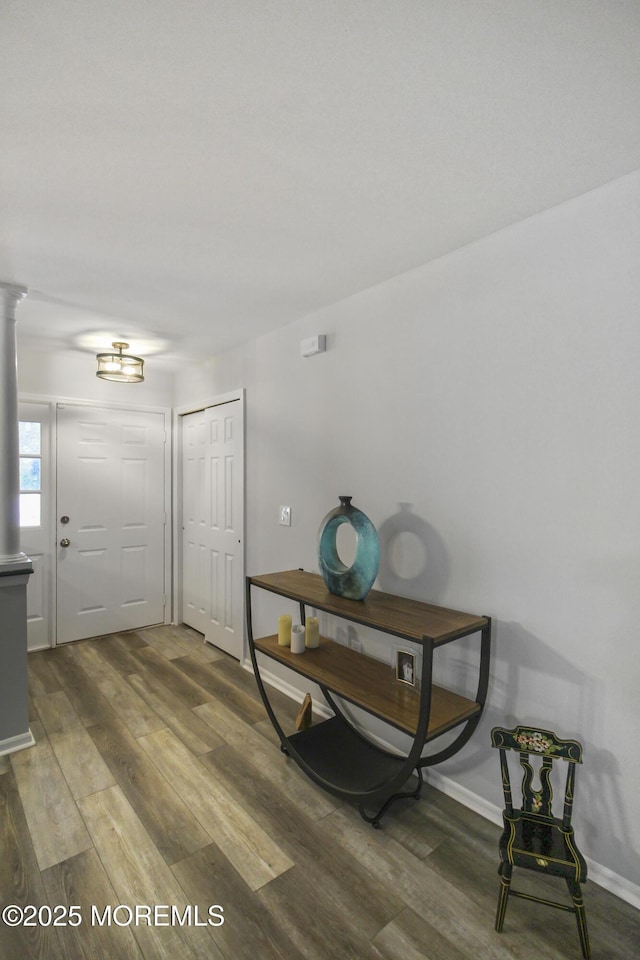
<point>341,758</point>
<point>370,684</point>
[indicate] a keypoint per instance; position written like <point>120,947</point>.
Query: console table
<point>334,753</point>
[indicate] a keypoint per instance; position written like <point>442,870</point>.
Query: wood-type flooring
<point>157,782</point>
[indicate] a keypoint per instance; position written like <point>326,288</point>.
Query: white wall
<point>496,392</point>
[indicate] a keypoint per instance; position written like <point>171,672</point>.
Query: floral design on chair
<point>534,740</point>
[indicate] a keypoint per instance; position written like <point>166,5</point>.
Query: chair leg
<point>581,917</point>
<point>505,871</point>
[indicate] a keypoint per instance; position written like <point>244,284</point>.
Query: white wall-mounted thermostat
<point>312,345</point>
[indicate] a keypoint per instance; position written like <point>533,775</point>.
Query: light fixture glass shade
<point>120,366</point>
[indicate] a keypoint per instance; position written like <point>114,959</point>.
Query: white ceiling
<point>189,174</point>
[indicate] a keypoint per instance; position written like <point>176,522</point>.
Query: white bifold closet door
<point>213,512</point>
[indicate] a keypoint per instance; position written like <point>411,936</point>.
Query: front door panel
<point>110,521</point>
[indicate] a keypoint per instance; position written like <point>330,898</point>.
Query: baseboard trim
<point>614,883</point>
<point>464,796</point>
<point>321,709</point>
<point>20,742</point>
<point>42,646</point>
<point>603,876</point>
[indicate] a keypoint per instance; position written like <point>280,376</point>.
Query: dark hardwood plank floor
<point>157,782</point>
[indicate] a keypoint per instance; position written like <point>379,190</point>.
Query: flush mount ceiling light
<point>120,366</point>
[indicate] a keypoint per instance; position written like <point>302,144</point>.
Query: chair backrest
<point>529,742</point>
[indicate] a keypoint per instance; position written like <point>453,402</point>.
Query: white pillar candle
<point>284,630</point>
<point>297,639</point>
<point>312,633</point>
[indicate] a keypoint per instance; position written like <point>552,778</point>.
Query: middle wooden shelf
<point>369,684</point>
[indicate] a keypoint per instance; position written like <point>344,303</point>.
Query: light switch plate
<point>285,516</point>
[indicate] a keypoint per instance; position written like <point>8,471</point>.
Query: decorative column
<point>15,567</point>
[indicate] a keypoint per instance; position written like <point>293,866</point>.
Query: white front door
<point>110,520</point>
<point>213,524</point>
<point>35,517</point>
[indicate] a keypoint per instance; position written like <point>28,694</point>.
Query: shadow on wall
<point>565,699</point>
<point>569,702</point>
<point>413,558</point>
<point>524,670</point>
<point>606,818</point>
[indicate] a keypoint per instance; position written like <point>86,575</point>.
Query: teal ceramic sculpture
<point>355,581</point>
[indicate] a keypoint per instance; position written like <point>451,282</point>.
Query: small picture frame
<point>406,667</point>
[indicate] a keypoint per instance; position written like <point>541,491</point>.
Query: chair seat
<point>541,843</point>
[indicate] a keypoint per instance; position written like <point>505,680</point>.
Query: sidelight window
<point>30,448</point>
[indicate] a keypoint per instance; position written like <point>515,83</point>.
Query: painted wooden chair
<point>533,838</point>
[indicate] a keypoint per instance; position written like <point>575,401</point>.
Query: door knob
<point>65,542</point>
<point>64,519</point>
